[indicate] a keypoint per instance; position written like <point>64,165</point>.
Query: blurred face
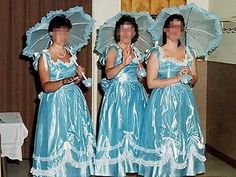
<point>60,35</point>
<point>127,33</point>
<point>174,30</point>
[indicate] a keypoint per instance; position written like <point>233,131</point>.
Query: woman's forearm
<point>193,81</point>
<point>112,72</point>
<point>52,86</point>
<point>160,83</point>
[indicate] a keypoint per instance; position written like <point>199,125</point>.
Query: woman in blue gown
<point>64,142</point>
<point>123,103</point>
<point>173,142</point>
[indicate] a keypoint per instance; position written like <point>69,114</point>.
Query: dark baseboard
<point>221,156</point>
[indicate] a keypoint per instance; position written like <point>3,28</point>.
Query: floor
<point>214,168</point>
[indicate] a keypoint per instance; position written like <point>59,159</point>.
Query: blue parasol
<point>202,28</point>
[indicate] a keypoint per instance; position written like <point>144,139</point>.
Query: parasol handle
<point>186,55</point>
<point>75,63</point>
<point>81,73</point>
<point>84,76</point>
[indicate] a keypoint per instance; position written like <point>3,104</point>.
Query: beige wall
<point>223,8</point>
<point>226,52</point>
<point>201,3</point>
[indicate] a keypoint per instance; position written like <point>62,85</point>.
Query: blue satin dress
<point>64,142</point>
<point>120,119</point>
<point>172,140</point>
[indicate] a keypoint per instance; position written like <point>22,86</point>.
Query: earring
<point>51,42</point>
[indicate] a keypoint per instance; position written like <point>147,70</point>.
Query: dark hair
<point>167,24</point>
<point>126,19</point>
<point>59,21</point>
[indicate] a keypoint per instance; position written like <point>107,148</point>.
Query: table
<point>12,133</point>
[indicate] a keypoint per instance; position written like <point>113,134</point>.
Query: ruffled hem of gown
<point>84,168</point>
<point>166,166</point>
<point>120,165</point>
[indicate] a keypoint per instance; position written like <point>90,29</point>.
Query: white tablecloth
<point>13,132</point>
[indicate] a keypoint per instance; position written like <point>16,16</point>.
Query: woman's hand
<point>79,71</point>
<point>185,70</point>
<point>69,80</point>
<point>127,57</point>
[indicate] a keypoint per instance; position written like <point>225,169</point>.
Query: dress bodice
<point>170,67</point>
<point>59,69</point>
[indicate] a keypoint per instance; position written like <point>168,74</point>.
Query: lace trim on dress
<point>59,61</point>
<point>165,153</point>
<point>184,61</point>
<point>67,158</point>
<point>170,157</point>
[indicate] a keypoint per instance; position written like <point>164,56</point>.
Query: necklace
<point>61,56</point>
<point>128,49</point>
